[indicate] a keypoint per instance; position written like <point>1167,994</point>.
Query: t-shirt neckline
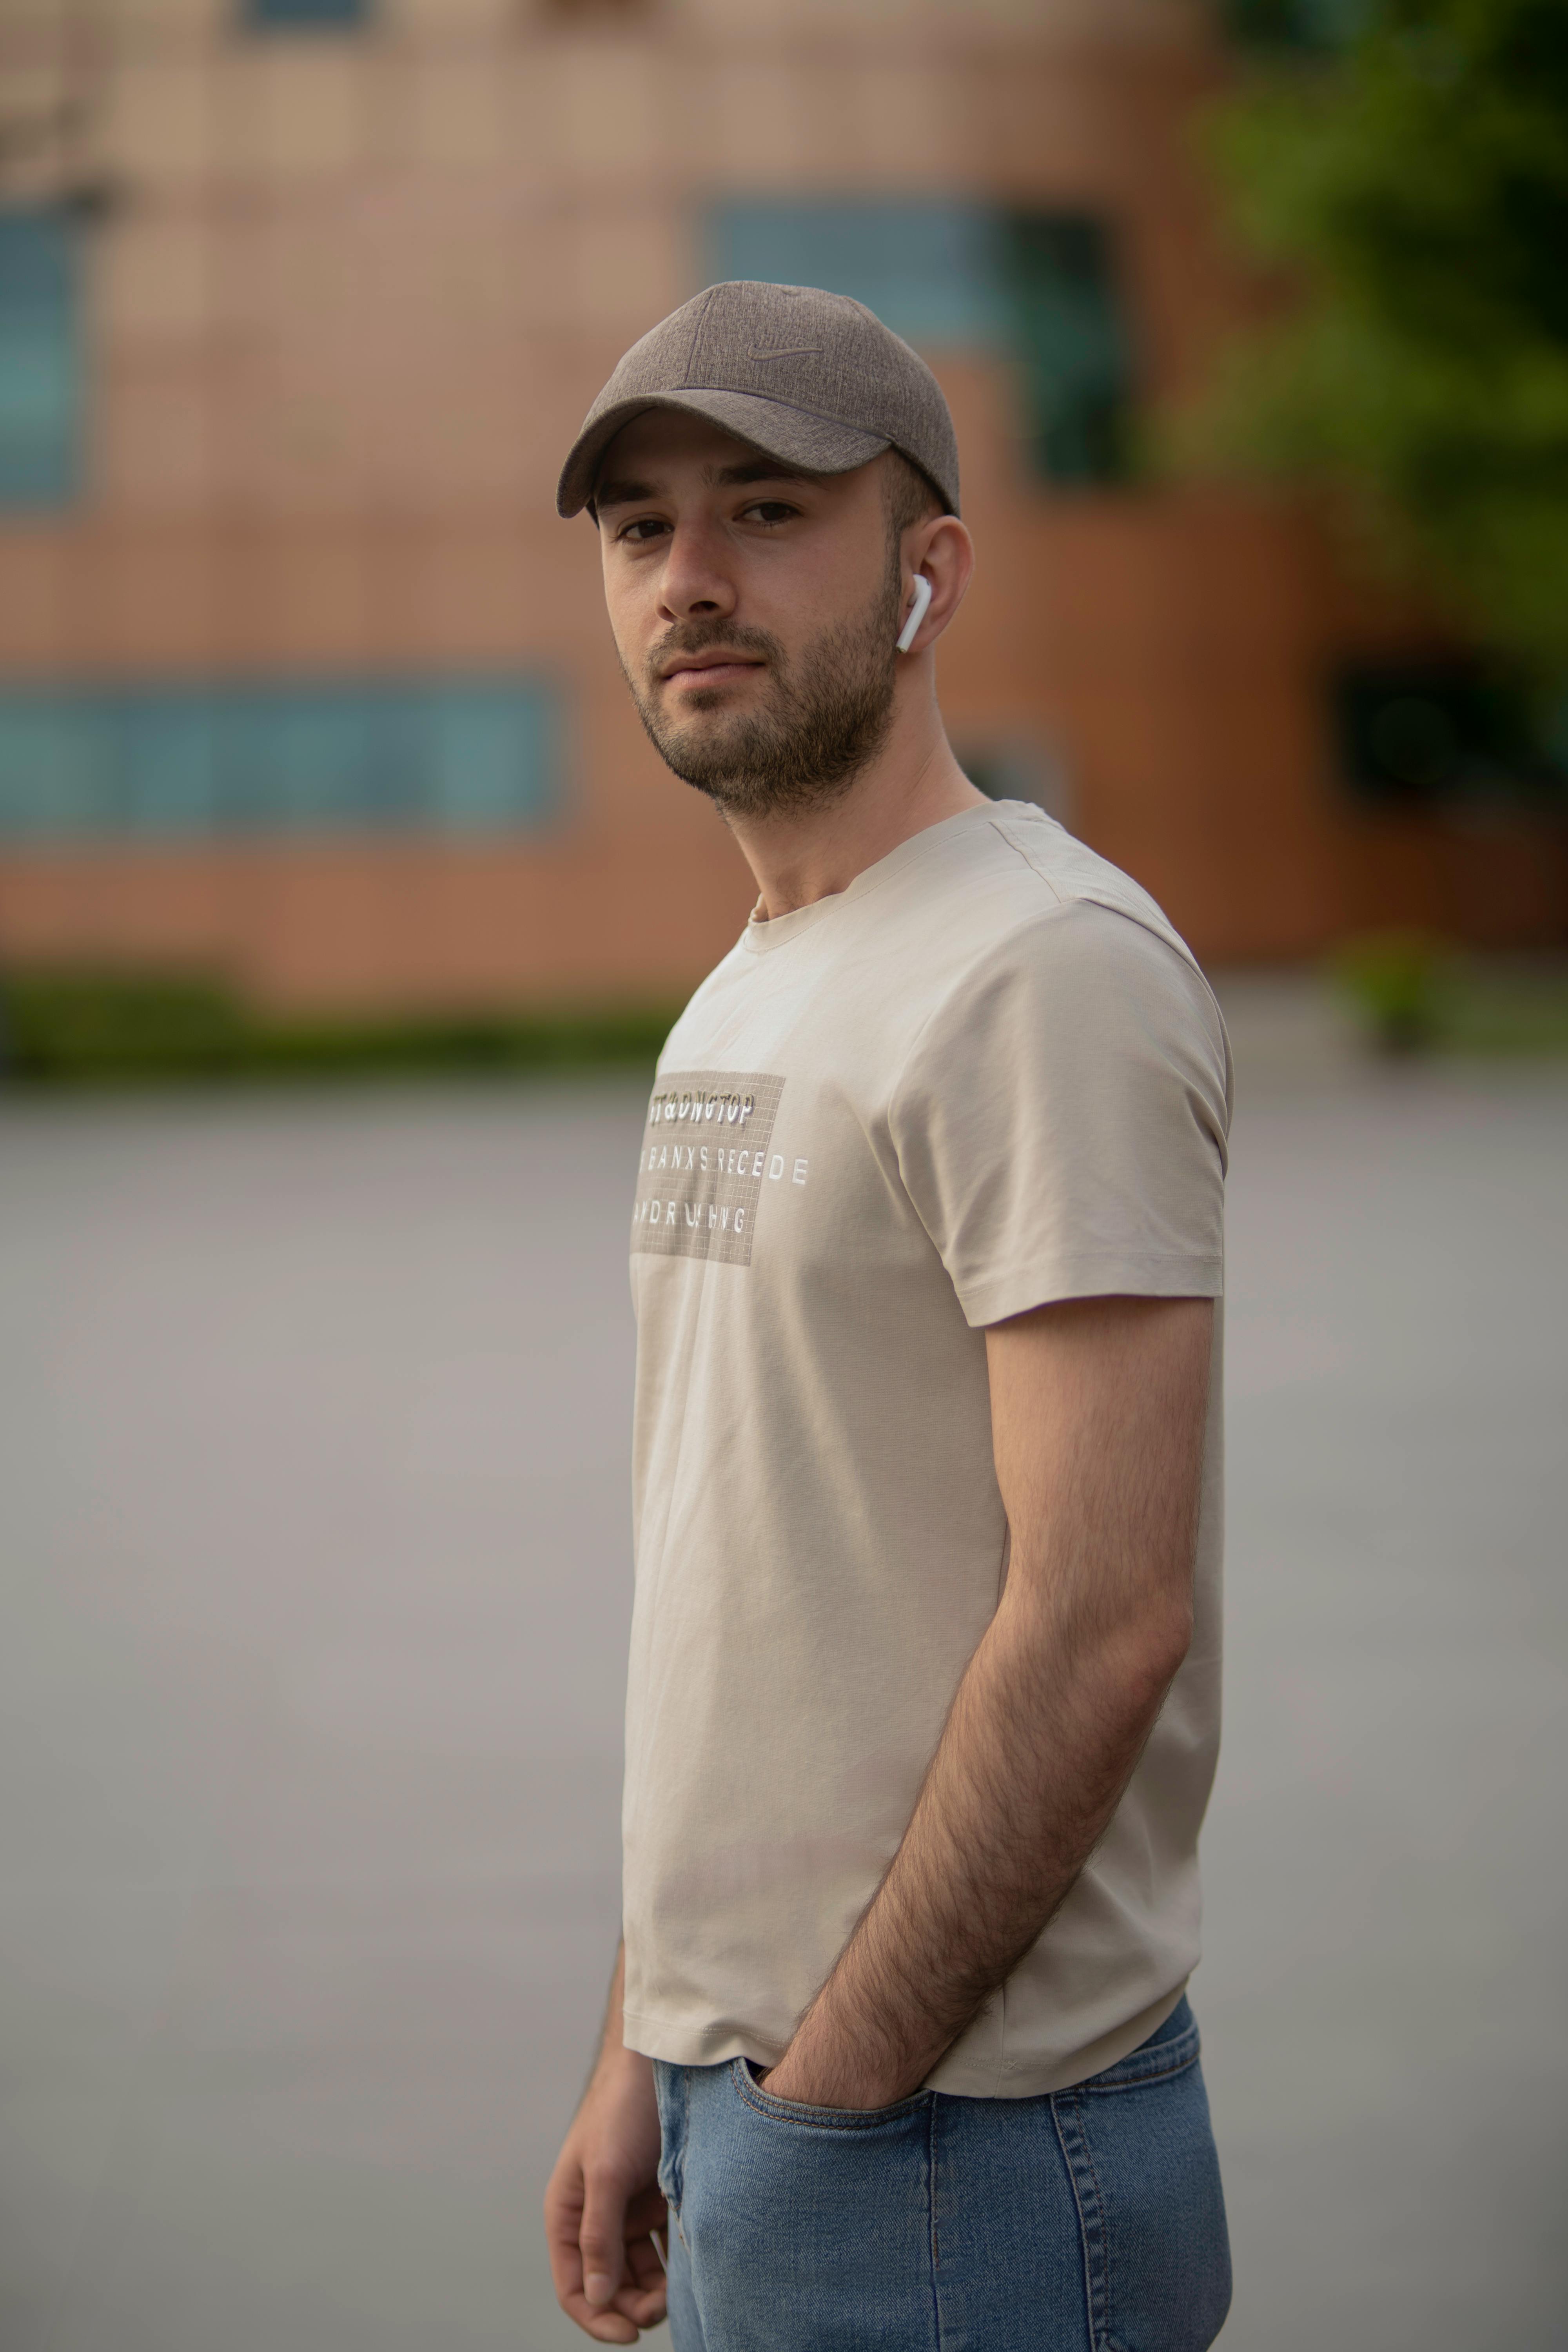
<point>761,937</point>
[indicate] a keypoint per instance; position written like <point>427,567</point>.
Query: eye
<point>642,529</point>
<point>772,511</point>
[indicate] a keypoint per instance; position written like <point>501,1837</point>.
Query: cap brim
<point>820,444</point>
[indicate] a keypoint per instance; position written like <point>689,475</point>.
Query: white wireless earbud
<point>917,612</point>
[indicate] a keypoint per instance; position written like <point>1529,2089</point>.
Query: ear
<point>941,550</point>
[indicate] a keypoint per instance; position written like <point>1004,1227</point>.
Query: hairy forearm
<point>1037,1749</point>
<point>1097,1419</point>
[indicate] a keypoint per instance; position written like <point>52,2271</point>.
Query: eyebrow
<point>626,492</point>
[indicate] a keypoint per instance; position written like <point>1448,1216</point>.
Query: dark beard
<point>825,721</point>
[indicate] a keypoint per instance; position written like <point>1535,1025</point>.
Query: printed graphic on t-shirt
<point>705,1161</point>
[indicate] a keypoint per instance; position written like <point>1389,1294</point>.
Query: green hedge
<point>86,1027</point>
<point>1410,992</point>
<point>1414,993</point>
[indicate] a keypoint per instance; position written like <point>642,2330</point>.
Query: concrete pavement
<point>312,1456</point>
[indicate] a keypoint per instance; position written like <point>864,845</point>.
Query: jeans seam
<point>1091,2226</point>
<point>1104,2232</point>
<point>931,2200</point>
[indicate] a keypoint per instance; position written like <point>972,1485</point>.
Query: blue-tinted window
<point>926,265</point>
<point>41,359</point>
<point>292,14</point>
<point>451,756</point>
<point>951,273</point>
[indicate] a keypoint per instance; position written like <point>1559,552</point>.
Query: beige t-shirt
<point>986,1075</point>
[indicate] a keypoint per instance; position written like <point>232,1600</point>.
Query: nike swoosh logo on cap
<point>791,352</point>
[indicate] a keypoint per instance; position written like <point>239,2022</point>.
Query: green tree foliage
<point>1412,180</point>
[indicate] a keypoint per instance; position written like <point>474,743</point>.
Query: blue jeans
<point>1085,2221</point>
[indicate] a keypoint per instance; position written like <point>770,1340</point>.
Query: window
<point>1038,286</point>
<point>40,358</point>
<point>925,265</point>
<point>459,756</point>
<point>1070,344</point>
<point>292,15</point>
<point>1425,734</point>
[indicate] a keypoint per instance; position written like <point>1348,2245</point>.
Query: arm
<point>1097,1410</point>
<point>603,2204</point>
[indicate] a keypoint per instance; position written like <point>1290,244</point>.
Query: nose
<point>696,585</point>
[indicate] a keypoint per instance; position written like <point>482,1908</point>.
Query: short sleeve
<point>1061,1124</point>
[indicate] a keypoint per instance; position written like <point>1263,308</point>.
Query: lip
<point>721,669</point>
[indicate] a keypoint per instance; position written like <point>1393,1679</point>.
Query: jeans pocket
<point>743,2078</point>
<point>1145,2177</point>
<point>806,2226</point>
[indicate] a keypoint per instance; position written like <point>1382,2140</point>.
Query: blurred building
<point>300,303</point>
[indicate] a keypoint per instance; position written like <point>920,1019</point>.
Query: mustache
<point>696,636</point>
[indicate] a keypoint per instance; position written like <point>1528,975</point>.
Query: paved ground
<point>312,1436</point>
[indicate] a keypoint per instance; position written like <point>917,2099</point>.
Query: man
<point>926,1252</point>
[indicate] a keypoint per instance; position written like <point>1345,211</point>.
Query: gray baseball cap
<point>813,378</point>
